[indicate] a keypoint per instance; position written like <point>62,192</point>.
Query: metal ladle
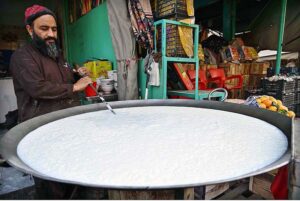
<point>102,99</point>
<point>95,90</point>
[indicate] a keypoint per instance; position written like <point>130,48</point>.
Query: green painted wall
<point>90,37</point>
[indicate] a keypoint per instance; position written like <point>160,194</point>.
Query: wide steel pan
<point>9,143</point>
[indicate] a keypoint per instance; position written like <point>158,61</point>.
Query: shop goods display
<point>269,103</point>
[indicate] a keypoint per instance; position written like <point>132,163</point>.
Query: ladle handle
<point>218,89</point>
<point>95,90</point>
<point>102,99</point>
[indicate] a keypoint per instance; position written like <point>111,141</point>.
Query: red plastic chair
<point>203,81</point>
<point>219,73</point>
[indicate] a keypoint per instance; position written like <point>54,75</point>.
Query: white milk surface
<point>152,146</point>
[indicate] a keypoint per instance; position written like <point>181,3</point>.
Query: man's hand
<point>81,84</point>
<point>83,71</point>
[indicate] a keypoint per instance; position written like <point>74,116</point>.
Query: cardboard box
<point>259,68</point>
<point>207,66</point>
<point>232,82</point>
<point>261,184</point>
<point>235,93</point>
<point>231,68</point>
<point>245,68</point>
<point>212,191</point>
<point>255,81</point>
<point>245,80</point>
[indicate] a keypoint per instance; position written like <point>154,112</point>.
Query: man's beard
<point>51,49</point>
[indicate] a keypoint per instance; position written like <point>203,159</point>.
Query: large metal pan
<point>9,143</point>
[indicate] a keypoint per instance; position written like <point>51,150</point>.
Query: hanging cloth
<point>124,48</point>
<point>142,22</point>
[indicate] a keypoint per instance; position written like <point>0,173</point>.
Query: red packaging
<point>89,90</point>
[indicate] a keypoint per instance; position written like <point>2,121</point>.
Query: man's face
<point>45,28</point>
<point>43,32</point>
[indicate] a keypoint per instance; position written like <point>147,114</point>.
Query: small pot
<point>107,88</point>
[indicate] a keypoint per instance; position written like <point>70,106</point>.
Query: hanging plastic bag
<point>279,186</point>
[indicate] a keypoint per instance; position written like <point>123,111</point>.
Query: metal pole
<point>227,26</point>
<point>280,36</point>
<point>233,18</point>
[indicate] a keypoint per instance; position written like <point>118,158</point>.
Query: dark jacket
<point>41,84</point>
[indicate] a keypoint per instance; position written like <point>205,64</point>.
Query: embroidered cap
<point>35,11</point>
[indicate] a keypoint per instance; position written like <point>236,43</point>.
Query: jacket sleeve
<point>28,74</point>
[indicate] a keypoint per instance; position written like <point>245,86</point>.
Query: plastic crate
<point>297,97</point>
<point>170,8</point>
<point>174,46</point>
<point>287,99</point>
<point>292,108</point>
<point>283,71</point>
<point>297,84</point>
<point>297,110</point>
<point>278,86</point>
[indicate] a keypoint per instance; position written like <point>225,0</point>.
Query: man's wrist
<point>75,89</point>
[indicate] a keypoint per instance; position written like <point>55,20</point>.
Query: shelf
<point>168,42</point>
<point>202,94</point>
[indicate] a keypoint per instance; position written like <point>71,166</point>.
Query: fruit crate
<point>170,8</point>
<point>287,99</point>
<point>280,85</point>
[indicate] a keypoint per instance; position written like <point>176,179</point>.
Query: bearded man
<point>44,82</point>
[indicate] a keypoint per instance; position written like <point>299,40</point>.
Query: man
<point>44,83</point>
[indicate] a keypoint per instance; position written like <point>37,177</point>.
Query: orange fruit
<point>282,107</point>
<point>258,100</point>
<point>267,102</point>
<point>262,105</point>
<point>274,101</point>
<point>273,108</point>
<point>291,114</point>
<point>263,98</point>
<point>279,102</point>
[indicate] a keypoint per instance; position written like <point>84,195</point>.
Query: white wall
<point>8,100</point>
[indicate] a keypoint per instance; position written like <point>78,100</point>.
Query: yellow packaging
<point>190,7</point>
<point>186,37</point>
<point>98,68</point>
<point>253,53</point>
<point>200,53</point>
